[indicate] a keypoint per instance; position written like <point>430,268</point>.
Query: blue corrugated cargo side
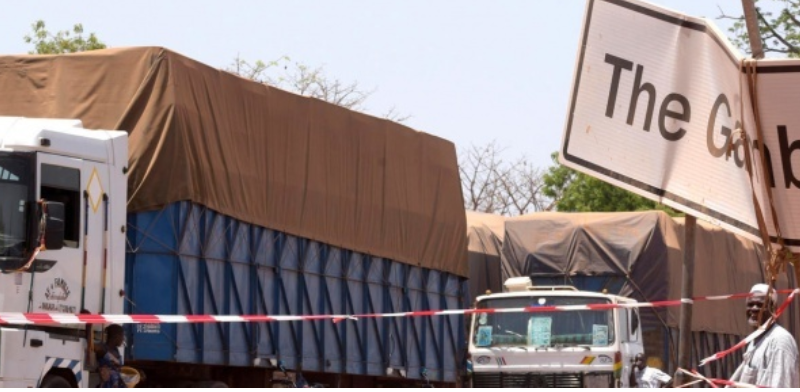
<point>186,259</point>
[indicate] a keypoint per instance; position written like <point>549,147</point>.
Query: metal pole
<point>687,292</point>
<point>753,33</point>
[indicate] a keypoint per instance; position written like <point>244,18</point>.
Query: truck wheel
<point>209,384</point>
<point>54,381</point>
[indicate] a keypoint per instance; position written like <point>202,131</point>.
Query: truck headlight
<point>598,380</point>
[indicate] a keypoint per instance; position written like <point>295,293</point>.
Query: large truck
<point>140,182</point>
<point>636,255</point>
<point>554,348</point>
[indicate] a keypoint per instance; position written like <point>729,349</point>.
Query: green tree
<point>65,41</point>
<point>780,30</point>
<point>573,191</point>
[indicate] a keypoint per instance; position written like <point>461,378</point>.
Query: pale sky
<point>468,71</point>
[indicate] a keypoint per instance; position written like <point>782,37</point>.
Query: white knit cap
<point>762,288</point>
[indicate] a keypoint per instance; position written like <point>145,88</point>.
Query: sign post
<point>687,291</point>
<point>753,34</point>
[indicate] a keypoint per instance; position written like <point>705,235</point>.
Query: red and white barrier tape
<point>729,383</point>
<point>754,335</point>
<point>713,382</point>
<point>700,378</point>
<point>63,318</point>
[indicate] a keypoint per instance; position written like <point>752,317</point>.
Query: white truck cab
<point>552,348</point>
<point>63,195</point>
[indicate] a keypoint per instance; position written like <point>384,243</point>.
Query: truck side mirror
<point>54,225</point>
<point>634,321</point>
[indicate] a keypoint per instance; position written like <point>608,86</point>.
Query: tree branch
<point>791,17</point>
<point>775,34</point>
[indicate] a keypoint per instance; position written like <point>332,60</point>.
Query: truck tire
<point>209,384</point>
<point>55,381</point>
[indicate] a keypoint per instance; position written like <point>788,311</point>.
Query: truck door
<point>631,340</point>
<point>635,342</point>
<point>61,288</point>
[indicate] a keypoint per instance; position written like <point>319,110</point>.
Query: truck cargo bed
<point>187,259</point>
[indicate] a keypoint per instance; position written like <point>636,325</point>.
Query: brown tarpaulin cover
<point>485,237</point>
<point>256,153</point>
<point>647,248</point>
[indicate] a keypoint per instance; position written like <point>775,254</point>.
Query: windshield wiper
<point>519,336</point>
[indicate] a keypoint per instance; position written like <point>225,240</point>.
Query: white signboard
<point>656,101</point>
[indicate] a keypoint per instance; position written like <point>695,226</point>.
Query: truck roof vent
<point>522,283</point>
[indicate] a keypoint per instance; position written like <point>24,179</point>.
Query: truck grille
<point>527,380</point>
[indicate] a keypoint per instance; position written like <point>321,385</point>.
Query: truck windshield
<point>15,180</point>
<point>543,329</point>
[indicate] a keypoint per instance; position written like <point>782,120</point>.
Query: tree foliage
<point>65,41</point>
<point>780,30</point>
<point>577,192</point>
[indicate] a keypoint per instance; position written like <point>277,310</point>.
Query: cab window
<point>62,184</point>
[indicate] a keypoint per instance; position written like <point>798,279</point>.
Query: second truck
<point>552,348</point>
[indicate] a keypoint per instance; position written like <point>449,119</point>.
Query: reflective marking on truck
<point>587,360</point>
<point>95,190</point>
<point>51,362</point>
<point>501,361</point>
